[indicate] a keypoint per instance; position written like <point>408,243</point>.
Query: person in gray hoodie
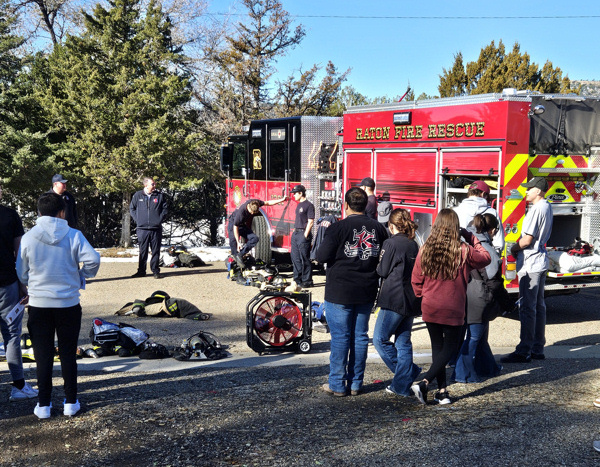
<point>477,203</point>
<point>48,263</point>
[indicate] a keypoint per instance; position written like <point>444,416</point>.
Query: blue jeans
<point>349,328</point>
<point>532,313</point>
<point>475,360</point>
<point>398,356</point>
<point>11,333</point>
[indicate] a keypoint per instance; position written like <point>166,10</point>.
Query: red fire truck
<point>425,153</point>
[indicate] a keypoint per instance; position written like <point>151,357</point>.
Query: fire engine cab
<point>425,154</point>
<point>269,159</point>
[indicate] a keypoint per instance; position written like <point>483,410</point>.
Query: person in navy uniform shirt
<point>302,238</point>
<point>148,209</point>
<point>59,186</point>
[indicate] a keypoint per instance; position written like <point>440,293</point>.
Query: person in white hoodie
<point>477,203</point>
<point>48,263</point>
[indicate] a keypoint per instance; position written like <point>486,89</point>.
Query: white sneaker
<point>21,394</point>
<point>596,445</point>
<point>42,412</point>
<point>71,409</point>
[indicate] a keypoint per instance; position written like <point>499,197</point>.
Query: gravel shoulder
<point>212,414</point>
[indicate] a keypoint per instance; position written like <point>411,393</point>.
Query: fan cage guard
<point>278,320</point>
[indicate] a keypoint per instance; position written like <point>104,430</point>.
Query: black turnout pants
<point>445,342</point>
<point>42,324</point>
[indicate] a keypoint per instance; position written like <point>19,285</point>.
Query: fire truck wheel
<point>263,249</point>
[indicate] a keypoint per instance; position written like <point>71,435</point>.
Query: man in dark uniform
<point>302,238</point>
<point>240,226</point>
<point>148,209</point>
<point>59,186</point>
<point>368,185</point>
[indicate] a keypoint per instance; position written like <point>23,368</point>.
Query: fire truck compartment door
<point>475,163</point>
<point>357,166</point>
<point>409,176</point>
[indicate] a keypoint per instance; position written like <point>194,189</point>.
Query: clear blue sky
<point>388,43</point>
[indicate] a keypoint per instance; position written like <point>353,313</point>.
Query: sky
<point>390,44</point>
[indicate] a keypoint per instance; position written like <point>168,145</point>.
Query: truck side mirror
<point>227,159</point>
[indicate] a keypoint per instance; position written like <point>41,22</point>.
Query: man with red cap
<point>475,203</point>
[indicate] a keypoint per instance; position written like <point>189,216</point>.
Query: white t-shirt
<point>538,224</point>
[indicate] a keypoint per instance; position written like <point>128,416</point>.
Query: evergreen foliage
<point>495,70</point>
<point>116,98</point>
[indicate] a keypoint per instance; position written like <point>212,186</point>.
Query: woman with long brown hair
<point>440,277</point>
<point>397,302</point>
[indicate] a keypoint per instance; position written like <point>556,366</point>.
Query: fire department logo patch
<point>365,245</point>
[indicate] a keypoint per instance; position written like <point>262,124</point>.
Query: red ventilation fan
<point>279,320</point>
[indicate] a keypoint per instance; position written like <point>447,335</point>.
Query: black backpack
<point>108,335</point>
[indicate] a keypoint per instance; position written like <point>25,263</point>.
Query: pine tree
<point>117,97</point>
<point>24,149</point>
<point>496,70</point>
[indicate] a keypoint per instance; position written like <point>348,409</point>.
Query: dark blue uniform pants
<point>301,256</point>
<point>245,232</point>
<point>149,239</point>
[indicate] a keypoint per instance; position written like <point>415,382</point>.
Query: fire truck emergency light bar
<point>402,118</point>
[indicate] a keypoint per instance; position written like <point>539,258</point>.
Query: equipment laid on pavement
<point>202,345</point>
<point>279,321</point>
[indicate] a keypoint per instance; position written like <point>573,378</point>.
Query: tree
<point>24,147</point>
<point>496,70</point>
<point>247,62</point>
<point>303,96</point>
<point>347,97</point>
<point>116,98</point>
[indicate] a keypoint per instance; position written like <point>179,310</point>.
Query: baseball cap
<point>298,189</point>
<point>384,209</point>
<point>480,185</point>
<point>58,178</point>
<point>537,182</point>
<point>367,181</point>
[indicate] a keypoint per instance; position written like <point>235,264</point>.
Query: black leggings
<point>42,324</point>
<point>445,342</point>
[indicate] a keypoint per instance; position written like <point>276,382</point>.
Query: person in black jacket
<point>148,209</point>
<point>59,186</point>
<point>486,297</point>
<point>397,303</point>
<point>368,185</point>
<point>350,248</point>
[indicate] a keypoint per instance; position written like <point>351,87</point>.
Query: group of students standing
<point>454,281</point>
